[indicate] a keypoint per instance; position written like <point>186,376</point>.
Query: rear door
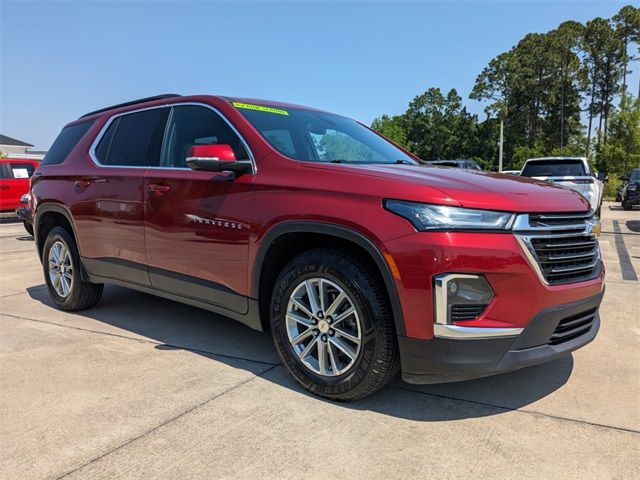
<point>109,206</point>
<point>198,224</point>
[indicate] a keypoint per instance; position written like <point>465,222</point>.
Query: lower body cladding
<point>552,333</point>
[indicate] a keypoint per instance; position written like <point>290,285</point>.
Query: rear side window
<point>134,139</point>
<point>64,143</point>
<point>554,168</point>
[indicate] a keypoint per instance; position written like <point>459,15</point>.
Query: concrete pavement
<point>140,387</point>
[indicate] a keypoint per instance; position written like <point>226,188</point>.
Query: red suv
<point>14,181</point>
<point>359,260</point>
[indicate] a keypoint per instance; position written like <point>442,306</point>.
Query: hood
<point>467,188</point>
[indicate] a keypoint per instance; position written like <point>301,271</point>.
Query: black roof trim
<point>132,102</point>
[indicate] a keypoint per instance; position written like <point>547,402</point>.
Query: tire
<point>626,206</point>
<point>351,370</point>
<point>29,228</point>
<point>79,294</point>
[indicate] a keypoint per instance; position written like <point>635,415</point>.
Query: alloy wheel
<point>323,327</point>
<point>60,269</point>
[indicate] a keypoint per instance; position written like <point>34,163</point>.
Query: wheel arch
<point>299,229</point>
<point>48,216</point>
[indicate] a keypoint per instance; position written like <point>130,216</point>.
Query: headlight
<point>442,217</point>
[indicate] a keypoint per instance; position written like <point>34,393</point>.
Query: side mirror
<point>215,158</point>
<point>602,176</point>
<point>623,178</point>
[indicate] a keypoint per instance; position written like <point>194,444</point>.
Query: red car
<point>358,260</point>
<point>14,181</point>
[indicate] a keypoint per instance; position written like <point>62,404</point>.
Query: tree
<point>439,127</point>
<point>392,128</point>
<point>538,89</point>
<point>604,59</point>
<point>564,96</point>
<point>622,150</point>
<point>627,25</point>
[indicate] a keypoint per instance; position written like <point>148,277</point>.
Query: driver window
<point>337,145</point>
<point>191,125</point>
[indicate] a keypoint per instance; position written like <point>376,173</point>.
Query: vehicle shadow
<point>174,326</point>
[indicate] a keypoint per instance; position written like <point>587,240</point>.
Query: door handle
<point>4,187</point>
<point>83,183</point>
<point>160,189</point>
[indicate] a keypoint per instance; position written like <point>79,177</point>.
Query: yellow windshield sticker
<point>261,108</point>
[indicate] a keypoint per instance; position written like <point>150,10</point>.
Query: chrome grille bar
<point>561,248</point>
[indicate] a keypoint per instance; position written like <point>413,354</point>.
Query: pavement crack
<point>519,410</point>
<point>166,422</point>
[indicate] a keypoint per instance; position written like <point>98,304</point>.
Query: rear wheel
<point>332,325</point>
<point>61,263</point>
<point>29,228</point>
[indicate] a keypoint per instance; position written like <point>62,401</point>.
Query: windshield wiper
<point>364,162</point>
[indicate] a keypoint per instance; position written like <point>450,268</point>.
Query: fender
<point>336,231</point>
<point>51,207</point>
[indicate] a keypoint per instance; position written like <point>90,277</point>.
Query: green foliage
<point>393,129</point>
<point>439,127</point>
<point>611,188</point>
<point>621,152</point>
<point>538,88</point>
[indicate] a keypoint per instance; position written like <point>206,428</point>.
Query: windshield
<point>320,137</point>
<point>635,175</point>
<point>554,168</point>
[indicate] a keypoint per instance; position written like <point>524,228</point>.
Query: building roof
<point>4,140</point>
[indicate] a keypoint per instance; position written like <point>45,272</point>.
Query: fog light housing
<point>460,296</point>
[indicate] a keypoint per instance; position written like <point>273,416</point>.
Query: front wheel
<point>626,206</point>
<point>28,227</point>
<point>332,325</point>
<point>61,264</point>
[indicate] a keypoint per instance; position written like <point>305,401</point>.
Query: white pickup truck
<point>571,172</point>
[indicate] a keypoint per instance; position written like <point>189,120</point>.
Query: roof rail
<point>132,102</point>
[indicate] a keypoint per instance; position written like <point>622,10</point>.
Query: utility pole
<point>501,143</point>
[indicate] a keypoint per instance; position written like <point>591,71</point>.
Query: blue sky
<point>59,60</point>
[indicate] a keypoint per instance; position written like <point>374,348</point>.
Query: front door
<point>197,224</point>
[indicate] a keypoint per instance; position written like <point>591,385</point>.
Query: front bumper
<point>632,197</point>
<point>442,360</point>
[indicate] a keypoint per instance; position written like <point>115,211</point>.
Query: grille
<point>573,326</point>
<point>562,246</point>
<point>466,312</point>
